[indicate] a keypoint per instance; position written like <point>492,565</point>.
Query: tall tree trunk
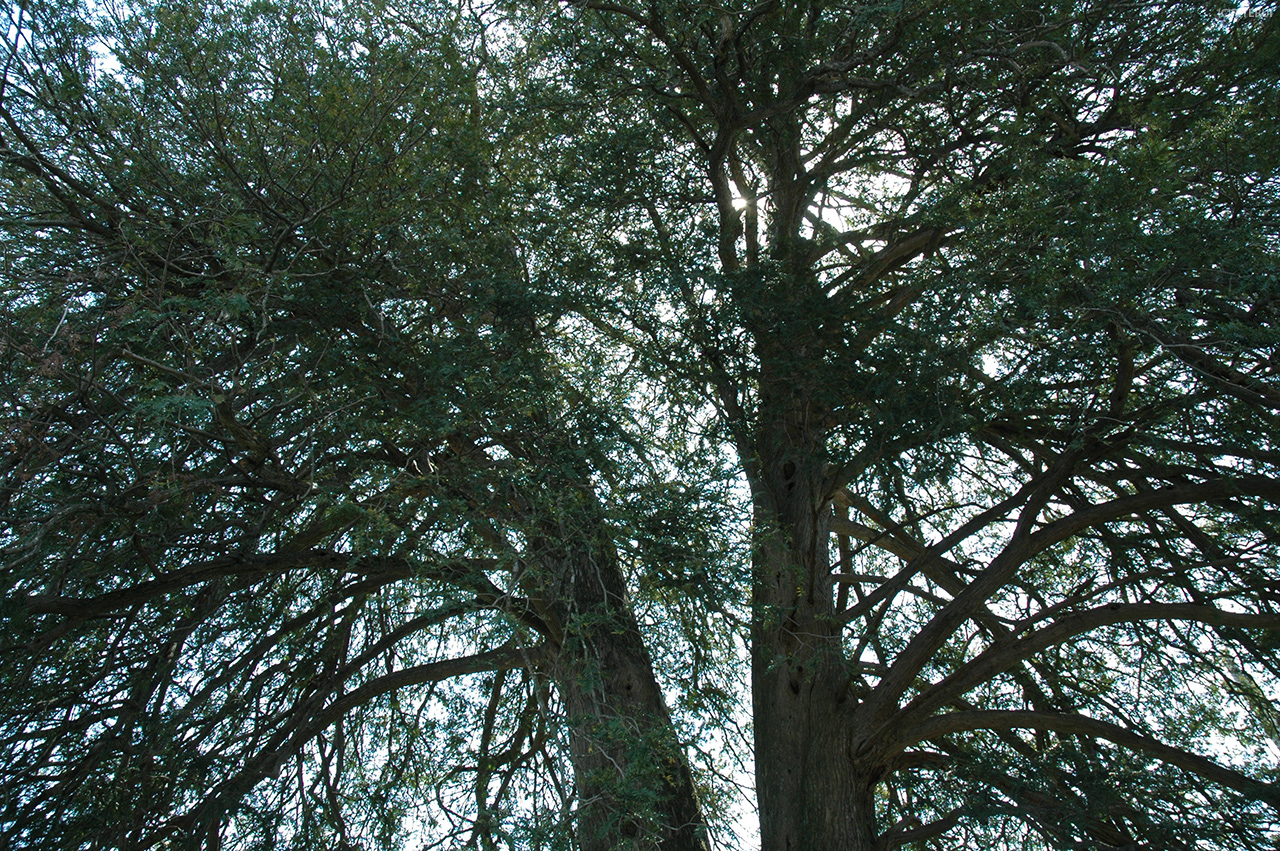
<point>634,786</point>
<point>811,793</point>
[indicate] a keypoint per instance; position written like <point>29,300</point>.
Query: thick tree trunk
<point>635,791</point>
<point>634,786</point>
<point>811,793</point>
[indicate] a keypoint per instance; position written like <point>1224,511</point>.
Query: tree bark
<point>811,793</point>
<point>635,789</point>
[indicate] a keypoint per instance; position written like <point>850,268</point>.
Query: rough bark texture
<point>634,786</point>
<point>633,783</point>
<point>811,794</point>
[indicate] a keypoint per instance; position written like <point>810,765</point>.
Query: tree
<point>982,297</point>
<point>291,449</point>
<point>1010,304</point>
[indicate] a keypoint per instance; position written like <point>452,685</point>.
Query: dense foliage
<point>599,425</point>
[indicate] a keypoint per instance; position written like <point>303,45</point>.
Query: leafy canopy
<point>929,346</point>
